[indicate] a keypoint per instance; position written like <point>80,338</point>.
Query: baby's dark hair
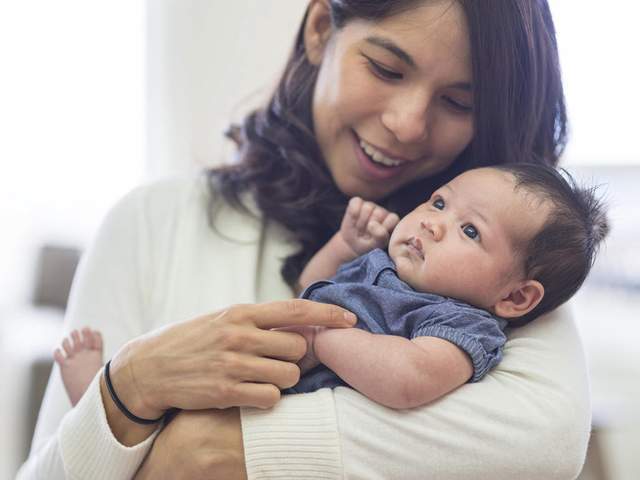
<point>562,253</point>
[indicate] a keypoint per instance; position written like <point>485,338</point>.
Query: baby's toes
<point>58,356</point>
<point>68,348</point>
<point>78,345</point>
<point>88,338</point>
<point>97,340</point>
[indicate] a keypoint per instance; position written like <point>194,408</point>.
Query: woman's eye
<point>458,106</point>
<point>471,231</point>
<point>383,72</point>
<point>439,203</point>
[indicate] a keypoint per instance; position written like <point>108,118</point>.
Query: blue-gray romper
<point>369,287</point>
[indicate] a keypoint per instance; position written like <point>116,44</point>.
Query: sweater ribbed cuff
<point>296,439</point>
<point>89,449</point>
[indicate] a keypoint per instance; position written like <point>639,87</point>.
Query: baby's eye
<point>438,203</point>
<point>471,232</point>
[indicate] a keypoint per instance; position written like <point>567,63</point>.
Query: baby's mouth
<point>415,245</point>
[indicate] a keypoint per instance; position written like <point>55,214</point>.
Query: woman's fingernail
<point>350,317</point>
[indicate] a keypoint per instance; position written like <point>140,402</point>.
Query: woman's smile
<point>374,164</point>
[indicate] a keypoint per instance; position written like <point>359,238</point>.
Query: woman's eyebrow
<point>393,48</point>
<point>408,59</point>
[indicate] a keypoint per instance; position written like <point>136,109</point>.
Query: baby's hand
<point>309,333</point>
<point>367,226</point>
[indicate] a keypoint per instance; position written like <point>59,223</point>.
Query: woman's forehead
<point>431,35</point>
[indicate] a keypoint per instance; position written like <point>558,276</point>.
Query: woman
<point>432,88</point>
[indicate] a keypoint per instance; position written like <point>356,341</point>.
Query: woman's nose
<point>408,120</point>
<point>436,229</point>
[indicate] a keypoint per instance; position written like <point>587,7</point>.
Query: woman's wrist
<point>124,430</point>
<point>130,389</point>
<point>131,394</point>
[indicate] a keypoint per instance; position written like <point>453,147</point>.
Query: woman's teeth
<point>378,157</point>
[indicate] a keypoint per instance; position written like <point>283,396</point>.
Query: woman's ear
<point>521,300</point>
<point>317,30</point>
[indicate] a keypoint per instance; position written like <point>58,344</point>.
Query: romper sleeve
<point>108,294</point>
<point>529,418</point>
<point>474,331</point>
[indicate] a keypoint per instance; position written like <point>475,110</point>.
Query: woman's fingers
<point>265,370</point>
<point>260,395</point>
<point>296,312</point>
<point>288,346</point>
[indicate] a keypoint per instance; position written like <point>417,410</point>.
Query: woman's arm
<point>219,455</point>
<point>529,418</point>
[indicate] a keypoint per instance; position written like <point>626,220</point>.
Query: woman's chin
<point>353,187</point>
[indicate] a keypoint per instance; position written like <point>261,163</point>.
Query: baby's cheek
<point>413,275</point>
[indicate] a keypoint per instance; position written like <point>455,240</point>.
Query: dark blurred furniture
<point>55,268</point>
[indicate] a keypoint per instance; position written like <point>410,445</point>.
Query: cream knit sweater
<point>156,261</point>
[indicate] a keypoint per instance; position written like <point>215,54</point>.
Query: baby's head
<point>516,240</point>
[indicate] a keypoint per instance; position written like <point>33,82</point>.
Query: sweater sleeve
<point>529,418</point>
<point>108,294</point>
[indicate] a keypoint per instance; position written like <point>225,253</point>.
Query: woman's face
<point>393,100</point>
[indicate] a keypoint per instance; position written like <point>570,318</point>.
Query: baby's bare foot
<point>80,361</point>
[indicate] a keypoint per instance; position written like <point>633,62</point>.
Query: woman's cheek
<point>452,135</point>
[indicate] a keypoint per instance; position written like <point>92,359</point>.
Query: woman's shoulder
<point>180,194</point>
<point>182,191</point>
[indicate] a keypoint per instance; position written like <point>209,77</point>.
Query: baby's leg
<point>80,361</point>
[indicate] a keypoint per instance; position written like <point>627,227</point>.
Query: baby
<point>496,246</point>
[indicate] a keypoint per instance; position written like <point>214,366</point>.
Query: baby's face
<point>462,242</point>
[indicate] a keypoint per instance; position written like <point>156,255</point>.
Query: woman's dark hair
<point>561,254</point>
<point>519,114</point>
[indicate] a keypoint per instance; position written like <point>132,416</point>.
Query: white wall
<point>599,46</point>
<point>71,117</point>
<point>207,61</point>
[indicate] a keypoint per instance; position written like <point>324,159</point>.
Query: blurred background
<point>99,97</point>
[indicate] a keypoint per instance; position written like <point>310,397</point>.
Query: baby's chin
<point>405,269</point>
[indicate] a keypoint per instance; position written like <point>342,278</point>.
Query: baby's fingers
<point>390,222</point>
<point>379,233</point>
<point>365,214</point>
<point>353,212</point>
<point>379,213</point>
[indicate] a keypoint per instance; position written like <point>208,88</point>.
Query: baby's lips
<point>416,242</point>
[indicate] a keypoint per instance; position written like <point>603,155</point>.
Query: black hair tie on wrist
<point>120,405</point>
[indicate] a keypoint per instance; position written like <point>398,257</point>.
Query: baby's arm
<point>392,370</point>
<point>365,226</point>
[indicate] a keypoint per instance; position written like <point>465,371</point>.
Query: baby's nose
<point>436,229</point>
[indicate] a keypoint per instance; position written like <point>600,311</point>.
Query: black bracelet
<point>120,405</point>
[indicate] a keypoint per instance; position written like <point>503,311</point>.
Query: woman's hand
<point>229,358</point>
<point>197,445</point>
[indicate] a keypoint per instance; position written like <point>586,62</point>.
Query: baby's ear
<point>521,300</point>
